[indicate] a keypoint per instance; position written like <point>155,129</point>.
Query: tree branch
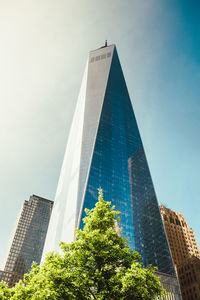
<point>93,294</point>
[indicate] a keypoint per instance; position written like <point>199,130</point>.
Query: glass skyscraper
<point>105,150</point>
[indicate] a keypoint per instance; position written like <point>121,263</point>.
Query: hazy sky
<point>43,52</point>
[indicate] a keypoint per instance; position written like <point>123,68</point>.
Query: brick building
<point>185,252</point>
<point>189,278</point>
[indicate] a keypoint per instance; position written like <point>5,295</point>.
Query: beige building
<point>185,252</point>
<point>180,236</point>
<point>189,278</point>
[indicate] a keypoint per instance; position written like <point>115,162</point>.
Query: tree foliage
<point>98,265</point>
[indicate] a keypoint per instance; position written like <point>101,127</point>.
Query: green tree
<point>5,292</point>
<point>98,265</point>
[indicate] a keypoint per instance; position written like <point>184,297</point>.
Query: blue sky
<point>43,51</point>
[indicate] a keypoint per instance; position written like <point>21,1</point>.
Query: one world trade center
<point>105,150</point>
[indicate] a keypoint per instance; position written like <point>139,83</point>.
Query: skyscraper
<point>105,150</point>
<point>181,237</point>
<point>27,241</point>
<point>185,252</point>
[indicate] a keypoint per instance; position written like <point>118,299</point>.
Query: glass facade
<point>106,150</point>
<point>29,236</point>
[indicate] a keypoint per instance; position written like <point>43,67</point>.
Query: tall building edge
<point>68,181</point>
<point>83,179</point>
<point>68,201</point>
